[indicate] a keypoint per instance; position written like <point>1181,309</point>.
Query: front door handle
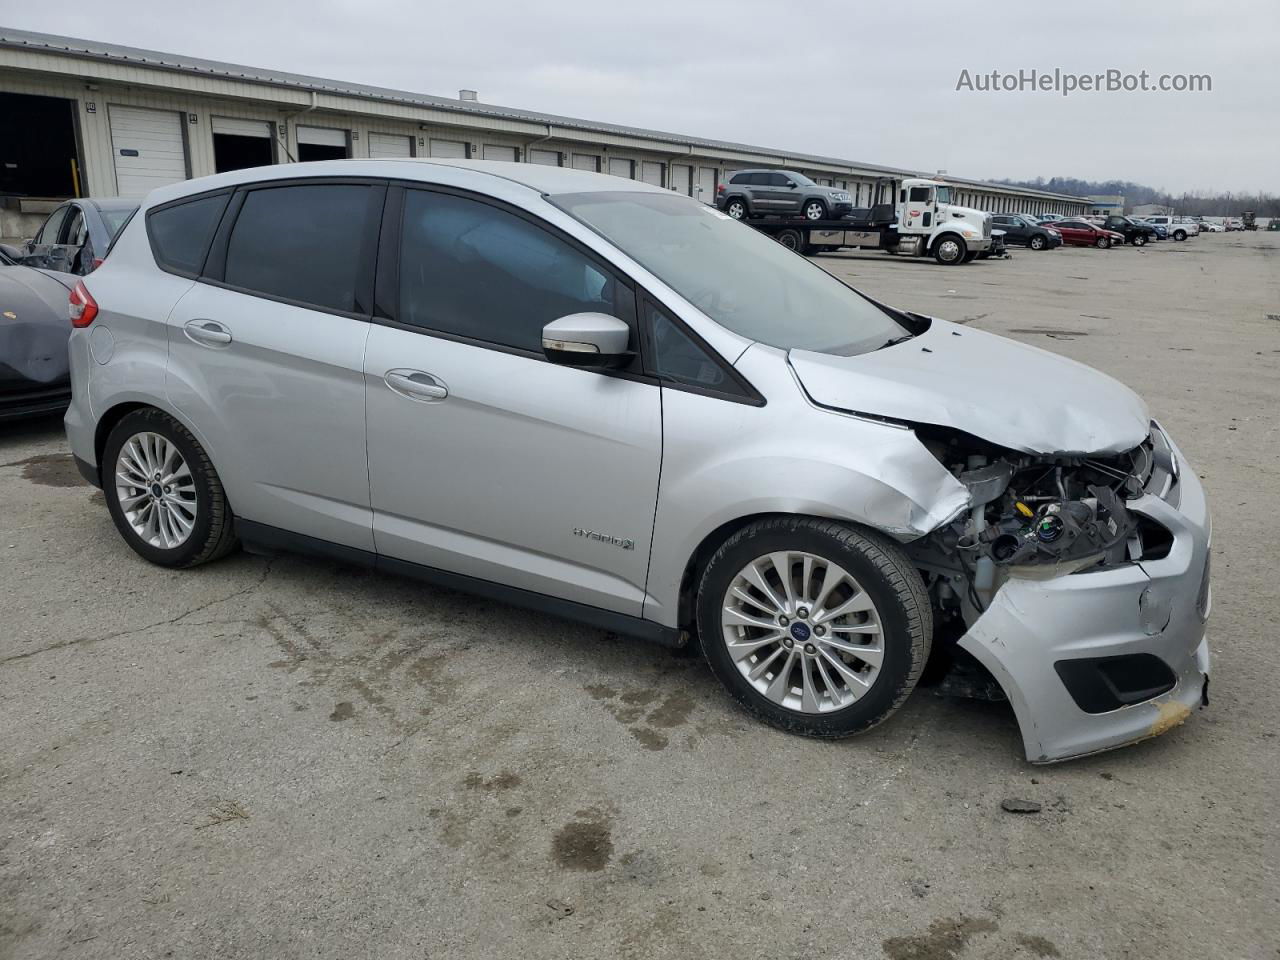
<point>208,333</point>
<point>416,385</point>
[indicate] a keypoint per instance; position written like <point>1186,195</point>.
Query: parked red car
<point>1081,233</point>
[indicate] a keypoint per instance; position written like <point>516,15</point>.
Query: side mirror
<point>592,340</point>
<point>791,184</point>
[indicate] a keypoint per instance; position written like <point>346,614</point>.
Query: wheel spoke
<point>831,578</point>
<point>808,689</point>
<point>872,656</point>
<point>738,618</point>
<point>832,688</point>
<point>782,564</point>
<point>757,579</point>
<point>746,597</point>
<point>856,685</point>
<point>858,603</point>
<point>780,685</point>
<point>761,668</point>
<point>862,628</point>
<point>741,649</point>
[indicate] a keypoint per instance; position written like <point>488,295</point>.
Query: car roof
<point>114,203</point>
<point>480,174</point>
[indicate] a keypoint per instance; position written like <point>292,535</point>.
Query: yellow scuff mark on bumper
<point>1170,715</point>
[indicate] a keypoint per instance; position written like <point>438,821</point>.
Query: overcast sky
<point>872,82</point>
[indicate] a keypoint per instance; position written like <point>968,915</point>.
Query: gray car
<point>621,406</point>
<point>758,193</point>
<point>76,235</point>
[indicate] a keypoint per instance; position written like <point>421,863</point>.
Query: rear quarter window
<point>180,232</point>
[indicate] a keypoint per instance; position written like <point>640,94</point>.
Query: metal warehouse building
<point>80,118</point>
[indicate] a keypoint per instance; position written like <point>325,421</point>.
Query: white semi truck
<point>921,220</point>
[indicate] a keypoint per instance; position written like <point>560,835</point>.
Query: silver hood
<point>1005,392</point>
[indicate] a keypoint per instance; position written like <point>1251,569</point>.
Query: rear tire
<point>1180,235</point>
<point>1139,240</point>
<point>791,239</point>
<point>163,493</point>
<point>736,208</point>
<point>810,679</point>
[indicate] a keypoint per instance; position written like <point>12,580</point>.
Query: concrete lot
<point>292,759</point>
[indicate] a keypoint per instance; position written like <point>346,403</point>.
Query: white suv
<point>618,404</point>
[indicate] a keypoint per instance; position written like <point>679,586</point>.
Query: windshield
<point>944,194</point>
<point>738,277</point>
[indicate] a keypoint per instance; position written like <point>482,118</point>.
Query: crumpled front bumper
<point>1033,625</point>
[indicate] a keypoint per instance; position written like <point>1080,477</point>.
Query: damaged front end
<point>1078,582</point>
<point>1036,516</point>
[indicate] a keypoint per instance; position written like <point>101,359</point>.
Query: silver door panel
<point>508,476</point>
<point>281,403</point>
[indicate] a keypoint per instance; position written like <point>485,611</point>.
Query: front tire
<point>814,626</point>
<point>815,210</point>
<point>1139,240</point>
<point>950,250</point>
<point>163,493</point>
<point>1103,243</point>
<point>1036,243</point>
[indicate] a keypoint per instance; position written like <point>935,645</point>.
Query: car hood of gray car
<point>1006,392</point>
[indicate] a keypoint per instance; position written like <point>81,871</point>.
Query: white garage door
<point>651,173</point>
<point>323,136</point>
<point>548,158</point>
<point>585,161</point>
<point>492,152</point>
<point>241,128</point>
<point>621,168</point>
<point>389,145</point>
<point>449,148</point>
<point>148,149</point>
<point>682,179</point>
<point>707,184</point>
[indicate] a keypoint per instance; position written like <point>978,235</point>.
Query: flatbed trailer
<point>960,238</point>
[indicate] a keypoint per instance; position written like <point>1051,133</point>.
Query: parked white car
<point>1179,228</point>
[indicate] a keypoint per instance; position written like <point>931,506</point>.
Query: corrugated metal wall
<point>198,98</point>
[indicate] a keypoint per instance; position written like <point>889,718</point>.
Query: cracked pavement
<point>288,757</point>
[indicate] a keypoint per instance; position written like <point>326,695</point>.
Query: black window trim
<point>745,393</point>
<point>215,260</point>
<point>386,295</point>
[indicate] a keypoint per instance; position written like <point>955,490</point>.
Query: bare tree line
<point>1224,204</point>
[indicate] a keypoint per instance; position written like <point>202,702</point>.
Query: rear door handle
<point>208,333</point>
<point>416,385</point>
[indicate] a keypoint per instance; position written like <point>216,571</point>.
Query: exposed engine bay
<point>1036,517</point>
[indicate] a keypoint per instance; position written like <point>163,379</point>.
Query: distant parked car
<point>1231,225</point>
<point>1133,232</point>
<point>758,193</point>
<point>1179,227</point>
<point>1208,226</point>
<point>1050,217</point>
<point>76,235</point>
<point>1082,233</point>
<point>34,373</point>
<point>1027,232</point>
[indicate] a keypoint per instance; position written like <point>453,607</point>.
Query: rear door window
<point>304,243</point>
<point>180,232</point>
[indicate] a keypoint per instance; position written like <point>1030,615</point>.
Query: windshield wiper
<point>896,340</point>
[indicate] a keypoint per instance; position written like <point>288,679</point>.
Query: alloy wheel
<point>802,631</point>
<point>156,491</point>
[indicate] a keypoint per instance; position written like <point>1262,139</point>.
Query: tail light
<point>719,188</point>
<point>82,308</point>
<point>97,262</point>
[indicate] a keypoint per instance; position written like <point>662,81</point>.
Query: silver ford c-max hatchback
<point>553,388</point>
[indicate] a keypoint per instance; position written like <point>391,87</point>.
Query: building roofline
<point>179,63</point>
